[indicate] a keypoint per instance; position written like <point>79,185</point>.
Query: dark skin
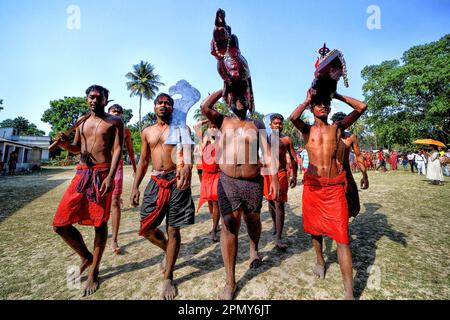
<point>116,200</point>
<point>276,208</point>
<point>163,157</point>
<point>213,206</point>
<point>103,138</point>
<point>350,142</point>
<point>321,139</point>
<point>238,135</point>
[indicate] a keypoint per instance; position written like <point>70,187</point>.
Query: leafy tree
<point>63,113</point>
<point>409,99</point>
<point>127,115</point>
<point>24,126</point>
<point>143,83</point>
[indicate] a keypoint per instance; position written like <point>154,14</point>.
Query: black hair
<point>117,107</point>
<point>276,116</point>
<point>163,95</point>
<point>104,92</point>
<point>338,116</point>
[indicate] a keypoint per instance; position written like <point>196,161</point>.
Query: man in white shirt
<point>411,157</point>
<point>420,160</point>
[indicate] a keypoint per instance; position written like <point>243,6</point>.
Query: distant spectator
<point>411,159</point>
<point>12,163</point>
<point>434,171</point>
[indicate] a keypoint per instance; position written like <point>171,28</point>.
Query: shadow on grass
<point>212,260</point>
<point>19,190</point>
<point>365,230</point>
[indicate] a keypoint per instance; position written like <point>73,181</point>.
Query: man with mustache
<point>87,200</point>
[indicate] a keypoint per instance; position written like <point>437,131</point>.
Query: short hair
<point>163,95</point>
<point>117,107</point>
<point>338,116</point>
<point>104,92</point>
<point>276,116</point>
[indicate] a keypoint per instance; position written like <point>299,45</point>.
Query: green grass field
<point>400,244</point>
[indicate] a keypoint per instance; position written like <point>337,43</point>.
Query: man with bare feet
<point>241,185</point>
<point>168,194</point>
<point>349,142</point>
<point>116,210</point>
<point>87,200</point>
<point>276,205</point>
<point>211,173</point>
<point>324,205</point>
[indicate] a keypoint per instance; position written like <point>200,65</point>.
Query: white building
<point>31,149</point>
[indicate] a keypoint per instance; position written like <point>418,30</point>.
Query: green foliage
<point>410,100</point>
<point>23,125</point>
<point>127,115</point>
<point>143,83</point>
<point>63,113</point>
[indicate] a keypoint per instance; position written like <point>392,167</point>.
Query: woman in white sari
<point>434,170</point>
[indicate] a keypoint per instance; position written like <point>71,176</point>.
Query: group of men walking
<point>241,165</point>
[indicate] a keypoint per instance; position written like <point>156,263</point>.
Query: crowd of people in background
<point>432,162</point>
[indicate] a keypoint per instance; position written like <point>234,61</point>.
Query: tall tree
<point>143,83</point>
<point>409,99</point>
<point>63,113</point>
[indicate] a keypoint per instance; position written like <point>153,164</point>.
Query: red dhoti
<point>284,186</point>
<point>324,207</point>
<point>210,178</point>
<point>82,202</point>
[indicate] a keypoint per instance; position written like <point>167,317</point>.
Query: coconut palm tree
<point>143,83</point>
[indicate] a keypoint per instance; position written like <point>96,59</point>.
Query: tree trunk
<point>140,119</point>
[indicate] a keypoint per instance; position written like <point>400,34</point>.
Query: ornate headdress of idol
<point>331,64</point>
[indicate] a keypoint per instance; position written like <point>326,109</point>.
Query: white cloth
<point>411,156</point>
<point>434,171</point>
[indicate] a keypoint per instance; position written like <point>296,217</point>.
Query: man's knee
<point>102,228</point>
<point>115,201</point>
<point>173,233</point>
<point>59,230</point>
<point>252,218</point>
<point>231,223</point>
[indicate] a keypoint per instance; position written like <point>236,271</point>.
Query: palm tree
<point>143,83</point>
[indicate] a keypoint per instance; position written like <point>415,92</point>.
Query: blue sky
<point>43,60</point>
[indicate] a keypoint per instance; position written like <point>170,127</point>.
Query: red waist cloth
<point>324,207</point>
<point>164,193</point>
<point>82,202</point>
<point>284,186</point>
<point>208,188</point>
<point>210,178</point>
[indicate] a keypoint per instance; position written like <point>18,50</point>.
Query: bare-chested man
<point>168,194</point>
<point>116,206</point>
<point>276,205</point>
<point>349,142</point>
<point>324,206</point>
<point>240,187</point>
<point>87,201</point>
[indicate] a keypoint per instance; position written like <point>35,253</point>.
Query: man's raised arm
<point>295,117</point>
<point>358,106</point>
<point>207,108</point>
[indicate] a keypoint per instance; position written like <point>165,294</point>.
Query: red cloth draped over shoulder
<point>210,177</point>
<point>164,193</point>
<point>82,202</point>
<point>284,186</point>
<point>324,207</point>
